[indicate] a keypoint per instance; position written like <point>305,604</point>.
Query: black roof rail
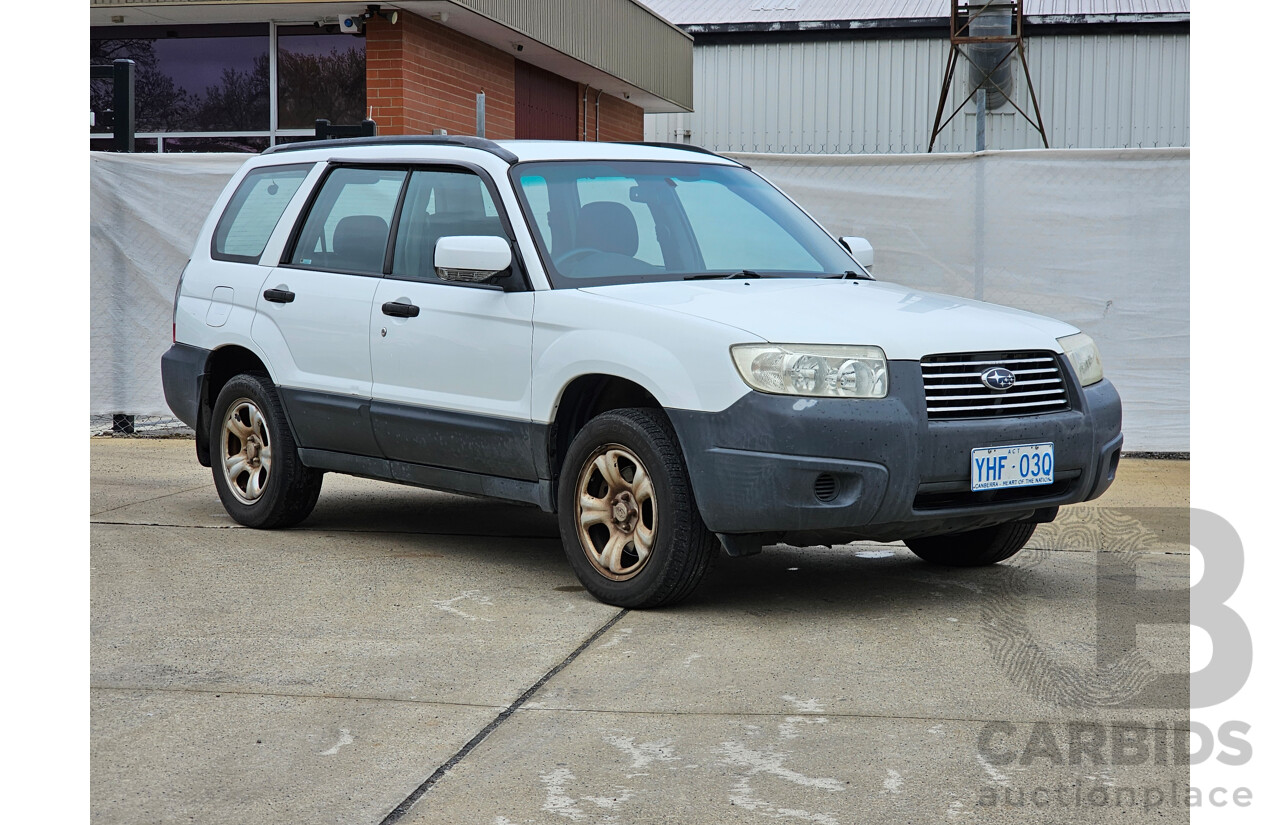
<point>469,141</point>
<point>688,147</point>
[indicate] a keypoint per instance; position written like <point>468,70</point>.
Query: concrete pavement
<point>370,659</point>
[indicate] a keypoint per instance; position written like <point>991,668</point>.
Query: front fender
<point>682,361</point>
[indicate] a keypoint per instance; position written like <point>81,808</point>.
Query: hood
<point>907,324</point>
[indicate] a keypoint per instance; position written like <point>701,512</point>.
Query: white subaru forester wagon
<point>651,341</point>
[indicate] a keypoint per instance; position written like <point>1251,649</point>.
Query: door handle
<point>279,296</point>
<point>398,310</point>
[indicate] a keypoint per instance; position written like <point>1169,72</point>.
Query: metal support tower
<point>963,14</point>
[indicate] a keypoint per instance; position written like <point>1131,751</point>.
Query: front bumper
<point>893,473</point>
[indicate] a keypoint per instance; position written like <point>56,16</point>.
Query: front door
<point>451,362</point>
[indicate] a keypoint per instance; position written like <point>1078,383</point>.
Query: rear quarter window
<point>254,210</point>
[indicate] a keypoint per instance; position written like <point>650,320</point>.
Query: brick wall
<point>619,120</point>
<point>421,76</point>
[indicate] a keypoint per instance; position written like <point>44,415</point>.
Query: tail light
<point>176,292</point>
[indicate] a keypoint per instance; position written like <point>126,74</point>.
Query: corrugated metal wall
<point>713,12</point>
<point>880,96</point>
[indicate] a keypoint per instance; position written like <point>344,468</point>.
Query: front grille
<point>953,387</point>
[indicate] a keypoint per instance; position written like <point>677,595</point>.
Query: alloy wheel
<point>617,512</point>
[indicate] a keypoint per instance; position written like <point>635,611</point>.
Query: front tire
<point>256,468</point>
<point>628,520</point>
<point>975,548</point>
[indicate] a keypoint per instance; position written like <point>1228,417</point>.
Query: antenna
<point>987,34</point>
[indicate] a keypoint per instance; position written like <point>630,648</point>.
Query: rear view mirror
<point>472,258</point>
<point>860,249</point>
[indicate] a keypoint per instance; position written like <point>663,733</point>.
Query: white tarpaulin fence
<point>1098,238</point>
<point>144,214</point>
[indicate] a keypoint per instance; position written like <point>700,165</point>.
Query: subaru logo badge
<point>999,378</point>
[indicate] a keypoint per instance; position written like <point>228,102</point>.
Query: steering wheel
<point>576,252</point>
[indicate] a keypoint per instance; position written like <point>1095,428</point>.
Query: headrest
<point>609,227</point>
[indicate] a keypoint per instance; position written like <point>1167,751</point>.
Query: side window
<point>439,203</point>
<point>350,221</point>
<point>254,210</point>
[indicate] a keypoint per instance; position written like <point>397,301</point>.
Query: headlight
<point>1084,357</point>
<point>813,370</point>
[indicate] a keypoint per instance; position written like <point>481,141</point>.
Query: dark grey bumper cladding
<point>754,466</point>
<point>182,374</point>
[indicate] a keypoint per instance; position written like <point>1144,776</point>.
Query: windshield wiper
<point>853,275</point>
<point>715,276</point>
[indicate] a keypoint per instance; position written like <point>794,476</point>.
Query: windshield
<point>609,222</point>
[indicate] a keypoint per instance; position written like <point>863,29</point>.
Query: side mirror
<point>860,249</point>
<point>471,259</point>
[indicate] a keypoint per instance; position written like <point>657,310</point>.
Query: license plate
<point>994,468</point>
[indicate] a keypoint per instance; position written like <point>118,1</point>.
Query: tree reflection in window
<point>217,78</point>
<point>160,104</point>
<point>321,76</point>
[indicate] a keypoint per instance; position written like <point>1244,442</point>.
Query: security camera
<point>376,11</point>
<point>519,47</point>
<point>350,24</point>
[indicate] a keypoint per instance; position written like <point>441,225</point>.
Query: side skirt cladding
<point>424,447</point>
<point>434,478</point>
<point>327,421</point>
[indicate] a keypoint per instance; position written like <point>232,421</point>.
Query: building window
<point>208,87</point>
<point>321,76</point>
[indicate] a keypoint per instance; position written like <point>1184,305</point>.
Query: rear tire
<point>975,548</point>
<point>256,468</point>
<point>628,520</point>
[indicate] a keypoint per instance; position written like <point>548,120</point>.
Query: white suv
<point>650,340</point>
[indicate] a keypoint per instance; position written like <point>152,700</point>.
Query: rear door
<point>451,382</point>
<point>313,313</point>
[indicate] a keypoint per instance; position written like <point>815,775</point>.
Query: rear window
<point>254,210</point>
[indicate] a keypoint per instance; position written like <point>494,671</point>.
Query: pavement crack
<point>325,530</point>
<point>219,691</point>
<point>735,714</point>
<point>403,808</point>
<point>146,500</point>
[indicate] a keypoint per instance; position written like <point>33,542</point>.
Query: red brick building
<point>243,75</point>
